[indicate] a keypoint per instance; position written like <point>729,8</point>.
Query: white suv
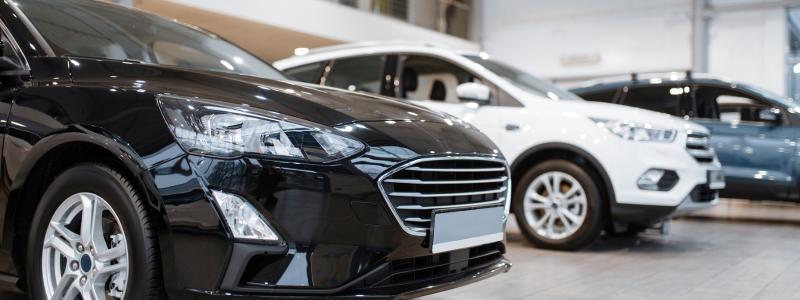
<point>579,167</point>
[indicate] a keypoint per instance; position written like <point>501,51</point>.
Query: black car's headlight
<point>213,128</point>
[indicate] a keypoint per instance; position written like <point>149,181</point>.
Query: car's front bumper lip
<point>500,267</point>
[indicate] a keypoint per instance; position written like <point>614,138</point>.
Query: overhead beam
<point>754,6</point>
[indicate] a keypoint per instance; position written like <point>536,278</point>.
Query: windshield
<point>96,29</point>
<point>524,80</point>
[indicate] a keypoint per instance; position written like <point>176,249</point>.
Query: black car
<point>755,132</point>
<point>146,158</point>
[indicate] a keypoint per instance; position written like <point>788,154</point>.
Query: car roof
<point>615,82</point>
<point>362,48</point>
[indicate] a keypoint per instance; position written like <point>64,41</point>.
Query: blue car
<point>755,133</point>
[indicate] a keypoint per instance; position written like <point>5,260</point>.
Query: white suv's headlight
<point>214,128</point>
<point>243,219</point>
<point>637,132</point>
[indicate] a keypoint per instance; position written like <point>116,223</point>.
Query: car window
<point>523,80</point>
<point>356,74</point>
<point>606,96</point>
<point>306,73</point>
<point>428,78</point>
<point>734,107</point>
<point>663,99</point>
<point>102,30</point>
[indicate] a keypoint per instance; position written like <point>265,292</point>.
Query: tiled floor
<point>700,259</point>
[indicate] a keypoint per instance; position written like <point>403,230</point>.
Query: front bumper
<point>429,287</point>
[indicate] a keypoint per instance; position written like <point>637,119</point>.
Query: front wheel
<point>92,239</point>
<point>558,206</point>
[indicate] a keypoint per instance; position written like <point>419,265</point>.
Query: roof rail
<point>664,76</point>
<point>378,43</point>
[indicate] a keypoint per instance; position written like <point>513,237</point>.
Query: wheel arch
<point>42,163</point>
<point>547,151</point>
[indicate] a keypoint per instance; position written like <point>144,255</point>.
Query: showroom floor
<point>755,256</point>
<point>700,259</point>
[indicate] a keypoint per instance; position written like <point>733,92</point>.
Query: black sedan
<point>147,158</point>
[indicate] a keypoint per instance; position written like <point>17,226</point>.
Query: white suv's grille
<point>416,189</point>
<point>699,146</point>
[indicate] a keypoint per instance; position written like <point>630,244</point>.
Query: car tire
<point>568,218</point>
<point>120,223</point>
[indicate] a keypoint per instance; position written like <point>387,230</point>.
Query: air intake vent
<point>418,188</point>
<point>699,146</point>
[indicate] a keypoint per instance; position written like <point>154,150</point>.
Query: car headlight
<point>243,219</point>
<point>214,128</point>
<point>637,132</point>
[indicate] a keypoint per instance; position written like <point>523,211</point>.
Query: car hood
<point>323,105</point>
<point>607,111</point>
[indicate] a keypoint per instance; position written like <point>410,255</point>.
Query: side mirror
<point>770,115</point>
<point>473,91</point>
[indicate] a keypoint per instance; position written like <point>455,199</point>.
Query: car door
<point>432,82</point>
<point>756,154</point>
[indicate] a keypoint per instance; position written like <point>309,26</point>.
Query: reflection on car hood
<point>607,111</point>
<point>324,105</point>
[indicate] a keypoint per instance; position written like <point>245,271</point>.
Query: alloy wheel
<point>85,254</point>
<point>555,205</point>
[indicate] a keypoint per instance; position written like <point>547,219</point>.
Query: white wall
<point>634,36</point>
<point>326,19</point>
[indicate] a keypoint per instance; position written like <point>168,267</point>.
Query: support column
<point>700,13</point>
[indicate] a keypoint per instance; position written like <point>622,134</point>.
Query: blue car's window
<point>96,29</point>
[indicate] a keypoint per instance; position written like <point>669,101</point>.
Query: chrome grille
<point>416,189</point>
<point>699,146</point>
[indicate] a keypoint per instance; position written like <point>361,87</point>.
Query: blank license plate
<point>716,179</point>
<point>466,228</point>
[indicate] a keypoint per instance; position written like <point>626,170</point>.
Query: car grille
<point>699,146</point>
<point>427,268</point>
<point>418,188</point>
<point>702,193</point>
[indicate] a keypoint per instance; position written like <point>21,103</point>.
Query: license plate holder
<point>716,179</point>
<point>459,229</point>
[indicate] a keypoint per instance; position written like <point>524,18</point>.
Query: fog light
<point>243,219</point>
<point>658,180</point>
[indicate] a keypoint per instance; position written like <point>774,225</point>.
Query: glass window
<point>305,73</point>
<point>97,29</point>
<point>607,97</point>
<point>523,80</point>
<point>662,99</point>
<point>733,106</point>
<point>357,74</point>
<point>427,78</point>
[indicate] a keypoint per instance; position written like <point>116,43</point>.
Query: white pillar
<point>700,40</point>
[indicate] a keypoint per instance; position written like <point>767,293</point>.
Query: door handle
<point>512,127</point>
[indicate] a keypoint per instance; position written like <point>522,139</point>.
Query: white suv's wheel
<point>558,206</point>
<point>555,205</point>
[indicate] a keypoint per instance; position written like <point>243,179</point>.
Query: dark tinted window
<point>663,99</point>
<point>427,78</point>
<point>357,74</point>
<point>306,73</point>
<point>608,96</point>
<point>733,106</point>
<point>97,29</point>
